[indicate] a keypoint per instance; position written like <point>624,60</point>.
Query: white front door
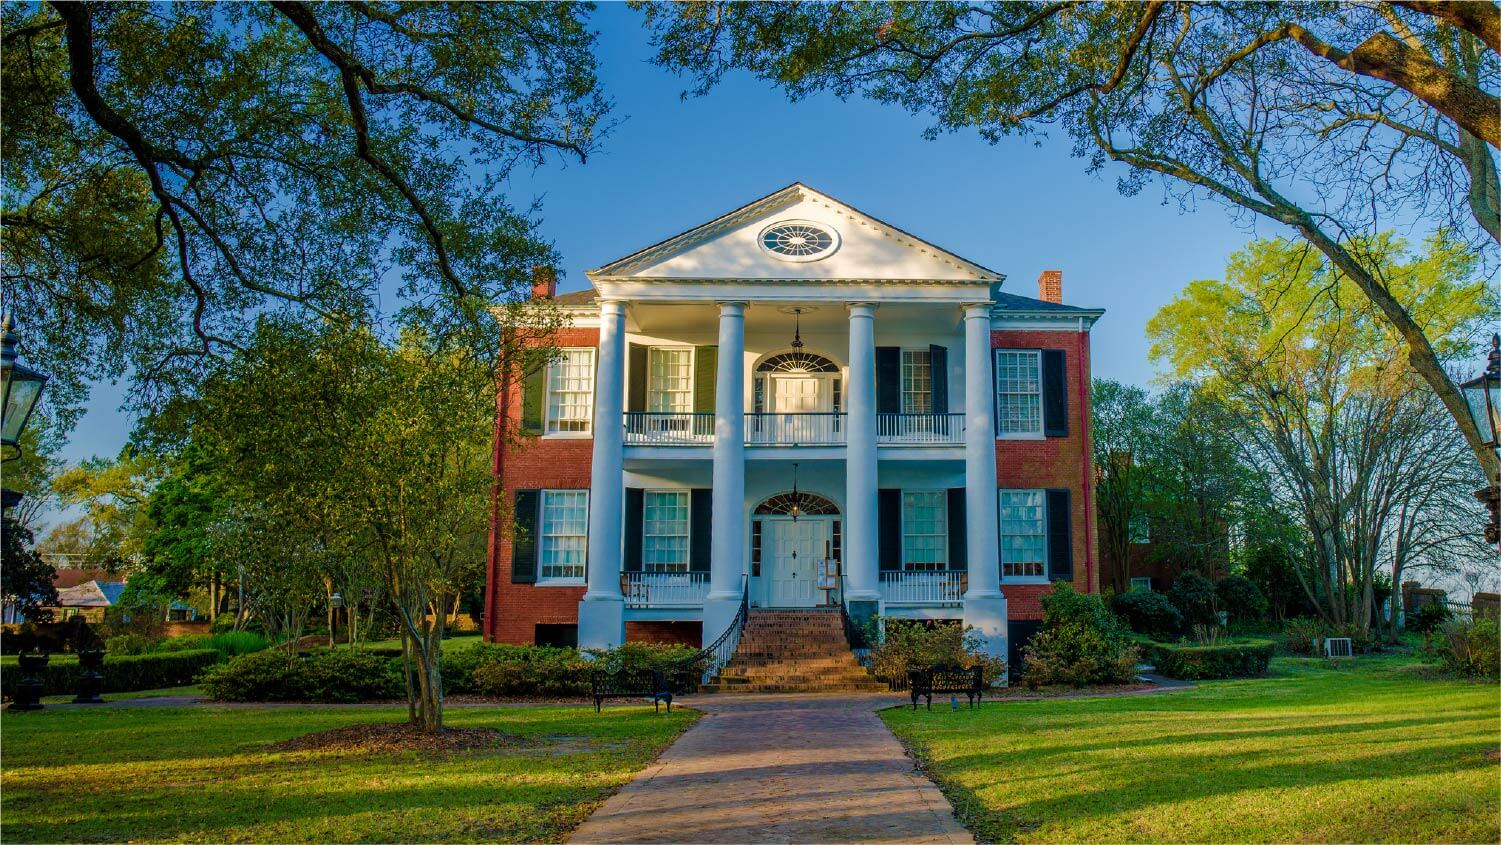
<point>791,551</point>
<point>797,394</point>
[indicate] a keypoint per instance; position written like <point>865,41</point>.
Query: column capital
<point>732,306</point>
<point>978,310</point>
<point>862,309</point>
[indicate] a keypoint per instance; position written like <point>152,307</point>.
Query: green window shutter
<point>888,379</point>
<point>1054,393</point>
<point>700,529</point>
<point>525,523</point>
<point>938,367</point>
<point>889,533</point>
<point>533,394</point>
<point>1060,524</point>
<point>635,392</point>
<point>635,527</point>
<point>958,542</point>
<point>705,378</point>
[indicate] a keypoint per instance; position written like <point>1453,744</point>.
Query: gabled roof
<point>789,195</point>
<point>1010,302</point>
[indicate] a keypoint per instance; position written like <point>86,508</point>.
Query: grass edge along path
<point>1367,751</point>
<point>209,774</point>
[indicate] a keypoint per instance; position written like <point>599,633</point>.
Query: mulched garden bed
<point>388,738</point>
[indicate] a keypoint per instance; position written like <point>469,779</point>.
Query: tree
<point>172,170</point>
<point>183,509</point>
<point>25,579</point>
<point>114,496</point>
<point>1332,119</point>
<point>1121,426</point>
<point>1324,402</point>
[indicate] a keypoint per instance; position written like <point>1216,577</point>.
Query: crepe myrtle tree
<point>173,170</point>
<point>1336,120</point>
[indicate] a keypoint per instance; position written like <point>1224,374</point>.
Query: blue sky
<point>1016,207</point>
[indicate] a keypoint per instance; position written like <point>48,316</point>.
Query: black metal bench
<point>631,683</point>
<point>925,681</point>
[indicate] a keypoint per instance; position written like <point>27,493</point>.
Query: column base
<point>988,617</point>
<point>602,623</point>
<point>719,613</point>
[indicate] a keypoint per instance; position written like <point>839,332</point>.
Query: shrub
<point>1301,633</point>
<point>909,642</point>
<point>1081,643</point>
<point>532,670</point>
<point>643,656</point>
<point>1241,599</point>
<point>1193,595</point>
<point>1147,612</point>
<point>125,644</point>
<point>328,676</point>
<point>1428,618</point>
<point>1202,662</point>
<point>1469,648</point>
<point>122,673</point>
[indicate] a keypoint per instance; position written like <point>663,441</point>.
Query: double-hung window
<point>925,530</point>
<point>669,386</point>
<point>1024,542</point>
<point>1018,392</point>
<point>564,535</point>
<point>570,391</point>
<point>664,537</point>
<point>917,381</point>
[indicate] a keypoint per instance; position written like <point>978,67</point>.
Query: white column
<point>984,605</point>
<point>861,520</point>
<point>602,610</point>
<point>727,538</point>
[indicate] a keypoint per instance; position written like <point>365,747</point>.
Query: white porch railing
<point>816,429</point>
<point>924,588</point>
<point>921,429</point>
<point>653,429</point>
<point>664,589</point>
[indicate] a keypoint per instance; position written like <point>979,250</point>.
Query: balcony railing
<point>643,428</point>
<point>664,589</point>
<point>922,429</point>
<point>924,588</point>
<point>815,429</point>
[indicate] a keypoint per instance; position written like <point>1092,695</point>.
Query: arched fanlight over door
<point>809,504</point>
<point>797,362</point>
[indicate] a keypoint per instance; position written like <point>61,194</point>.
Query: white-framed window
<point>669,384</point>
<point>925,530</point>
<point>564,535</point>
<point>664,537</point>
<point>1141,585</point>
<point>1141,528</point>
<point>917,381</point>
<point>1018,392</point>
<point>1024,540</point>
<point>570,391</point>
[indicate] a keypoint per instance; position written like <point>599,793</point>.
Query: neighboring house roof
<point>89,594</point>
<point>578,297</point>
<point>1010,302</point>
<point>69,577</point>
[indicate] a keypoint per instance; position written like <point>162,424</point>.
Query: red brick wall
<point>513,610</point>
<point>670,633</point>
<point>1055,462</point>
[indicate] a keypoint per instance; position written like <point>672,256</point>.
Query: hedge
<point>1204,662</point>
<point>122,673</point>
<point>325,676</point>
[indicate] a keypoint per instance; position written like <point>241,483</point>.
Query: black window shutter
<point>1060,519</point>
<point>635,524</point>
<point>705,378</point>
<point>525,524</point>
<point>1054,393</point>
<point>888,380</point>
<point>635,391</point>
<point>889,511</point>
<point>938,365</point>
<point>533,393</point>
<point>958,541</point>
<point>700,530</point>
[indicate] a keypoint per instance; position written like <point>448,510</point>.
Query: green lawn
<point>207,774</point>
<point>1364,752</point>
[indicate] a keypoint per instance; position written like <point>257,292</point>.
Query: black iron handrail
<point>711,658</point>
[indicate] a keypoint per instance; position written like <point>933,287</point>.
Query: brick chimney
<point>544,282</point>
<point>1050,286</point>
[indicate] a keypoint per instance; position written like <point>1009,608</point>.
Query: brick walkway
<point>780,768</point>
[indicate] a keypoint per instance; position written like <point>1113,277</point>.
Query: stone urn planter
<point>90,676</point>
<point>29,688</point>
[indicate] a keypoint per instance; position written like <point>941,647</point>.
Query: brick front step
<point>732,689</point>
<point>793,651</point>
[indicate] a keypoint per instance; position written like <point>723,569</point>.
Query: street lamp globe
<point>1483,395</point>
<point>22,386</point>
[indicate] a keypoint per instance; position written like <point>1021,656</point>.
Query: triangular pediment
<point>734,246</point>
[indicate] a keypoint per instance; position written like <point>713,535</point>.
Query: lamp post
<point>1483,396</point>
<point>20,388</point>
<point>335,604</point>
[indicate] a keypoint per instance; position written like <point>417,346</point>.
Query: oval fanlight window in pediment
<point>807,504</point>
<point>799,240</point>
